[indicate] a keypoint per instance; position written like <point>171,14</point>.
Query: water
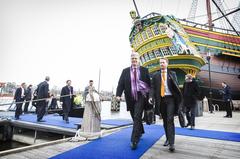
<point>108,114</point>
<point>6,145</point>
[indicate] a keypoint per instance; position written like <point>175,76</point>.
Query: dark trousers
<point>66,110</point>
<point>228,108</point>
<point>26,106</point>
<point>41,109</point>
<point>136,114</point>
<point>190,114</point>
<point>18,110</point>
<point>167,111</point>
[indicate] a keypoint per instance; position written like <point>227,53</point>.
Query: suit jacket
<point>42,90</point>
<point>28,94</point>
<point>66,91</point>
<point>18,95</point>
<point>124,84</point>
<point>226,94</point>
<point>173,87</point>
<point>190,93</point>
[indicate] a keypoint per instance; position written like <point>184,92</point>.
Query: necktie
<point>162,84</point>
<point>135,74</point>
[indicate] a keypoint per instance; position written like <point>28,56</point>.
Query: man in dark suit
<point>42,95</point>
<point>227,98</point>
<point>134,82</point>
<point>167,96</point>
<point>28,97</point>
<point>19,98</point>
<point>66,99</point>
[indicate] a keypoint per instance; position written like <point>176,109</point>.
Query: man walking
<point>19,98</point>
<point>42,95</point>
<point>134,82</point>
<point>28,97</point>
<point>66,99</point>
<point>167,96</point>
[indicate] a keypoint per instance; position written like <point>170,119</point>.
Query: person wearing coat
<point>227,99</point>
<point>190,96</point>
<point>134,82</point>
<point>28,97</point>
<point>42,93</point>
<point>166,95</point>
<point>19,97</point>
<point>66,99</point>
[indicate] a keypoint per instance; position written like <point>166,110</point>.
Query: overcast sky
<point>72,39</point>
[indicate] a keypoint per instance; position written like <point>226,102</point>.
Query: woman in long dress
<point>92,114</point>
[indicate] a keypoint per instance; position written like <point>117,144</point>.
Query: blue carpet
<point>52,119</point>
<point>115,146</point>
<point>56,120</point>
<point>119,122</point>
<point>218,135</point>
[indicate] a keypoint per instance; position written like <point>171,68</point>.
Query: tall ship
<point>211,54</point>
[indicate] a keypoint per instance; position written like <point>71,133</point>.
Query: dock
<point>186,146</point>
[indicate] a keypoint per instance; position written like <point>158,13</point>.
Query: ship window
<point>149,32</point>
<point>139,39</point>
<point>146,57</point>
<point>144,35</point>
<point>151,55</point>
<point>173,50</point>
<point>155,29</point>
<point>165,51</point>
<point>157,53</point>
<point>163,28</point>
<point>142,59</point>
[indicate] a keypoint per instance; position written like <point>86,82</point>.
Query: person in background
<point>92,113</point>
<point>42,95</point>
<point>28,97</point>
<point>19,98</point>
<point>66,99</point>
<point>190,96</point>
<point>227,99</point>
<point>167,96</point>
<point>134,82</point>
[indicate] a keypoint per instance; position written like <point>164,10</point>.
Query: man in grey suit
<point>167,96</point>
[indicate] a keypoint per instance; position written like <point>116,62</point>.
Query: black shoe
<point>192,127</point>
<point>134,145</point>
<point>17,118</point>
<point>226,116</point>
<point>41,121</point>
<point>188,124</point>
<point>67,121</point>
<point>171,148</point>
<point>166,143</point>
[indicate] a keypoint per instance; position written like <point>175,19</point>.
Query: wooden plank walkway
<point>186,147</point>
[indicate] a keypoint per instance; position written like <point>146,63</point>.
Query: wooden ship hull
<point>186,47</point>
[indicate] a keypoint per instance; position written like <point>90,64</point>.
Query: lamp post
<point>210,82</point>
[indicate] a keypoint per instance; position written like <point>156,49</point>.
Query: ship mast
<point>136,8</point>
<point>209,15</point>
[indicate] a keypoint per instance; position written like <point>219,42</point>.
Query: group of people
<point>164,93</point>
<point>92,113</point>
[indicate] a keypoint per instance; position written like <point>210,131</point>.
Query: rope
<point>36,100</point>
